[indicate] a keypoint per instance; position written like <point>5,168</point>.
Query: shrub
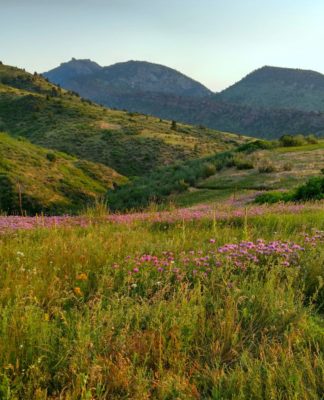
<point>266,166</point>
<point>313,189</point>
<point>174,125</point>
<point>242,162</point>
<point>288,166</point>
<point>209,169</point>
<point>51,157</point>
<point>311,139</point>
<point>273,197</point>
<point>256,145</point>
<point>291,140</point>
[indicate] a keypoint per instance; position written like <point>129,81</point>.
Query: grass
<point>304,162</point>
<point>34,179</point>
<point>76,324</point>
<point>193,182</point>
<point>306,147</point>
<point>130,143</point>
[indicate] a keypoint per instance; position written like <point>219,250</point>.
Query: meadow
<point>215,302</point>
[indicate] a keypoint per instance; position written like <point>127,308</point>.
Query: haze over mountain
<point>268,103</point>
<point>108,84</point>
<point>273,87</point>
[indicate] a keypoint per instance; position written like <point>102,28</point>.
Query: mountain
<point>130,143</point>
<point>278,88</point>
<point>72,70</point>
<point>109,85</point>
<point>165,93</point>
<point>36,179</point>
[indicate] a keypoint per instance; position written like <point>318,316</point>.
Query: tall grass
<point>75,324</point>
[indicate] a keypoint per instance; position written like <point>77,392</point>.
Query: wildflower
<point>212,240</point>
<point>20,254</point>
<point>135,270</point>
<point>78,291</point>
<point>134,285</point>
<point>82,277</point>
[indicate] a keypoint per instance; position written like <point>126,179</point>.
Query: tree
<point>174,125</point>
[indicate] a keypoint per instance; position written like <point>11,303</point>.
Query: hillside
<point>274,88</point>
<point>251,168</point>
<point>160,91</point>
<point>228,117</point>
<point>35,179</point>
<point>132,144</point>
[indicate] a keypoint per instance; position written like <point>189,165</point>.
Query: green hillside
<point>34,179</point>
<point>132,144</point>
<point>262,166</point>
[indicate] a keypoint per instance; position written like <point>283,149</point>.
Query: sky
<point>214,42</point>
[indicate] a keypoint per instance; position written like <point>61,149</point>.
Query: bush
<point>273,197</point>
<point>291,140</point>
<point>313,189</point>
<point>242,162</point>
<point>209,169</point>
<point>311,139</point>
<point>256,145</point>
<point>51,157</point>
<point>266,166</point>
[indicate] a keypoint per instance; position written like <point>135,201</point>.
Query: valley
<point>146,258</point>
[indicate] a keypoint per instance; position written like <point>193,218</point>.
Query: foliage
<point>250,147</point>
<point>313,189</point>
<point>273,197</point>
<point>163,182</point>
<point>297,140</point>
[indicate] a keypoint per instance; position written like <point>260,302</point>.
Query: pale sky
<point>215,42</point>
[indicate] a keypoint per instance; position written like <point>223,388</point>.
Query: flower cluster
<point>202,262</point>
<point>220,212</point>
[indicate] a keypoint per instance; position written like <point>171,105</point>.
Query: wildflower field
<point>201,303</point>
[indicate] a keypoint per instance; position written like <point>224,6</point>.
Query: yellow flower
<point>78,291</point>
<point>46,317</point>
<point>82,277</point>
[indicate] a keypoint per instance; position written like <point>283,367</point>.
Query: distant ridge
<point>103,84</point>
<point>274,87</point>
<point>269,102</point>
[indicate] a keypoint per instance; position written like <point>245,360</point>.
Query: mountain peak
<point>278,87</point>
<point>72,69</point>
<point>101,83</point>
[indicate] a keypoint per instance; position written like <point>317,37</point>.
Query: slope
<point>253,167</point>
<point>34,179</point>
<point>130,143</point>
<point>156,90</point>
